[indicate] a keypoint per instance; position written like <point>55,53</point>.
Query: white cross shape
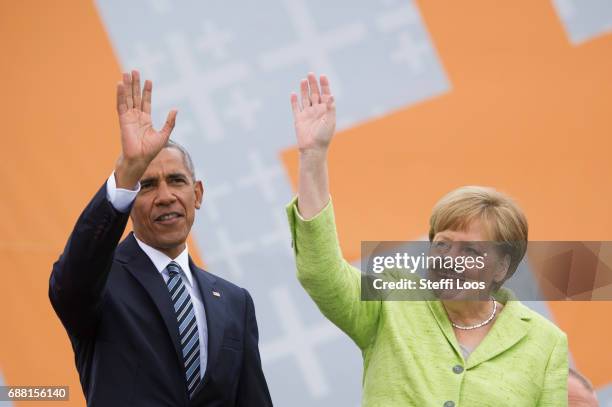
<point>410,51</point>
<point>262,176</point>
<point>243,109</point>
<point>398,17</point>
<point>312,46</point>
<point>198,87</point>
<point>211,194</point>
<point>299,341</point>
<point>280,234</point>
<point>229,252</point>
<point>214,40</point>
<point>147,60</point>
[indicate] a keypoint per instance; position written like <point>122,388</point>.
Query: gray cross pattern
<point>230,69</point>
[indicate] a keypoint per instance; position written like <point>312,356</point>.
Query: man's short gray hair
<point>186,157</point>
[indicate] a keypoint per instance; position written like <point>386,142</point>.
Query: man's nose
<point>164,195</point>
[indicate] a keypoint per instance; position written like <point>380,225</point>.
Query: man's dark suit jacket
<point>117,311</point>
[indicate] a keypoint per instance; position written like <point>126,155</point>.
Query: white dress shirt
<point>121,199</point>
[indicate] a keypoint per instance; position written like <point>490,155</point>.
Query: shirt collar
<point>161,260</point>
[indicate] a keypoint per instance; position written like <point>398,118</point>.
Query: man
<point>148,327</point>
<point>580,392</point>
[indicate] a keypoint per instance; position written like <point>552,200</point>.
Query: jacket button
<point>449,404</point>
<point>458,369</point>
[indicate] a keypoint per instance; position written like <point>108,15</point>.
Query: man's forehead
<point>168,161</point>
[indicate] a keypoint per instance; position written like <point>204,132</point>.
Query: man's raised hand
<point>140,142</point>
<point>315,116</point>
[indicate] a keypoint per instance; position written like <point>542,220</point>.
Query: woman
<point>446,352</point>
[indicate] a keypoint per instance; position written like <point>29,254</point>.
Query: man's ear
<point>199,191</point>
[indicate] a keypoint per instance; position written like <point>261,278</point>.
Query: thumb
<point>331,103</point>
<point>169,125</point>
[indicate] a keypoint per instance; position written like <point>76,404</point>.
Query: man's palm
<point>139,140</point>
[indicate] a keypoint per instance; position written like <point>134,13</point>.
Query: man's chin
<point>172,243</point>
<point>168,242</point>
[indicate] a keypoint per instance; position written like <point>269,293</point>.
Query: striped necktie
<point>187,326</point>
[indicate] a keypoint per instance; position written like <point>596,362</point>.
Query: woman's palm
<point>315,118</point>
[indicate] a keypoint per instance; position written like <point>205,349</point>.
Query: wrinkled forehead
<point>168,161</point>
<point>465,230</point>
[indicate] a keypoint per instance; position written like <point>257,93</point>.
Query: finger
<point>331,103</point>
<point>121,101</point>
<point>169,125</point>
<point>304,92</point>
<point>127,86</point>
<point>325,85</point>
<point>146,96</point>
<point>136,89</point>
<point>295,106</point>
<point>315,95</point>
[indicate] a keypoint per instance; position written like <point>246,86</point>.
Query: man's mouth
<point>169,217</point>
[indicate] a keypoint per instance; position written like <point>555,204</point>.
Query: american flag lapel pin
<point>216,293</point>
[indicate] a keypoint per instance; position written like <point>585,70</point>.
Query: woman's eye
<point>471,250</point>
<point>441,245</point>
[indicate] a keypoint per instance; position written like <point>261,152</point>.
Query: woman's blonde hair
<point>504,221</point>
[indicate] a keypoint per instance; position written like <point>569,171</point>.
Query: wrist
<point>128,173</point>
<point>313,156</point>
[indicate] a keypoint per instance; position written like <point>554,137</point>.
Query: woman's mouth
<point>449,273</point>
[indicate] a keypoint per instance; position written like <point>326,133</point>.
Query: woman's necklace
<point>483,323</point>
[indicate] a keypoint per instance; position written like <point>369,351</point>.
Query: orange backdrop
<point>527,113</point>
